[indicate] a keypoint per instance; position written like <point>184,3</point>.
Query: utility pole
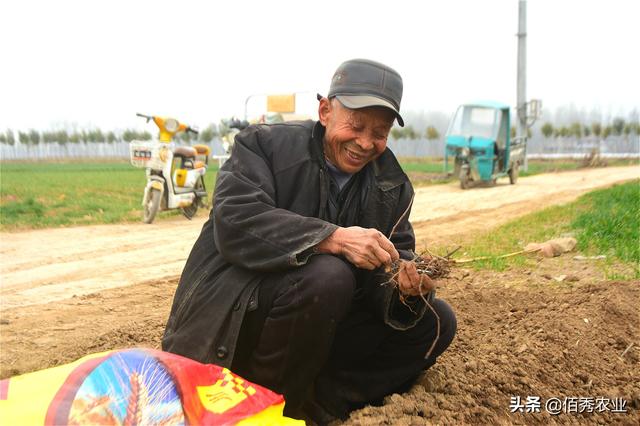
<point>521,105</point>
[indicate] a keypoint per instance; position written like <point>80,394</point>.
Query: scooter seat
<point>202,149</point>
<point>185,151</point>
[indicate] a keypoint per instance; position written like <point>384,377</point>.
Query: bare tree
<point>547,129</point>
<point>576,129</point>
<point>618,126</point>
<point>11,139</point>
<point>34,136</point>
<point>432,133</point>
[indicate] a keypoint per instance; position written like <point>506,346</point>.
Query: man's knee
<point>323,289</point>
<point>328,279</point>
<point>431,329</point>
<point>448,321</point>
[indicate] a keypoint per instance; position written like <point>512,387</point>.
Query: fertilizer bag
<point>136,387</point>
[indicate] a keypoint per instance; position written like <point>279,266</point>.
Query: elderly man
<point>285,283</point>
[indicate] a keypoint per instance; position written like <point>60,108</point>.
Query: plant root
<point>428,264</point>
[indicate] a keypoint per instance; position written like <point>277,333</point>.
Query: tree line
<point>408,132</point>
<point>206,135</point>
<point>34,137</point>
<point>618,127</point>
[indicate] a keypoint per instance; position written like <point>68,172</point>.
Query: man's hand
<point>411,283</point>
<point>365,248</point>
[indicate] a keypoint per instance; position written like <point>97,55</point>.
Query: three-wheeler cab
<point>479,139</point>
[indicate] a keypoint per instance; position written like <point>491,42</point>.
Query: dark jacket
<point>269,212</point>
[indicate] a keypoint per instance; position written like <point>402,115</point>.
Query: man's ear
<point>324,111</point>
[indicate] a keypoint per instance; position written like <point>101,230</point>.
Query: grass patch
<point>552,166</point>
<point>39,195</point>
<point>422,165</point>
<point>29,207</point>
<point>604,222</point>
<point>611,225</point>
<point>549,166</point>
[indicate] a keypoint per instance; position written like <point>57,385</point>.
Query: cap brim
<point>364,101</point>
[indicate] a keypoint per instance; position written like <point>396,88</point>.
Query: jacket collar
<point>317,144</point>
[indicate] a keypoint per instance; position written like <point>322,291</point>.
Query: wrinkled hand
<point>411,283</point>
<point>365,248</point>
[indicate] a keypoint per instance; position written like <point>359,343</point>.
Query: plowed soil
<point>522,333</point>
<point>69,292</point>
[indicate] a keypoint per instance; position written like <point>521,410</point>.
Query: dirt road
<point>453,211</point>
<point>42,266</point>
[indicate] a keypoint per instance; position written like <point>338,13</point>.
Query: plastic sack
<point>136,387</point>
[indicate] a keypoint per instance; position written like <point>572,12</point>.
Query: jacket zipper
<point>323,194</point>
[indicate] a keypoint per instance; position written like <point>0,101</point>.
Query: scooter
<point>175,174</point>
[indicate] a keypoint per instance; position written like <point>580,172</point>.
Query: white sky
<point>97,64</point>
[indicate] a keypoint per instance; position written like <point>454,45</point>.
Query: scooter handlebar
<point>192,130</point>
<point>148,117</point>
<point>238,124</point>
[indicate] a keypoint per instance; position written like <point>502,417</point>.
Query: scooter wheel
<point>151,205</point>
<point>513,174</point>
<point>464,181</point>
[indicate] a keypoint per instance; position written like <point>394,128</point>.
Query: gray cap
<point>361,83</point>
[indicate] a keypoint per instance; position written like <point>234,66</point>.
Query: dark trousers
<point>311,331</point>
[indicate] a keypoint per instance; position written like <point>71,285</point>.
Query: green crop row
<point>41,195</point>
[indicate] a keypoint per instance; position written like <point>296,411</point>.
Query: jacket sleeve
<point>384,298</point>
<point>250,230</point>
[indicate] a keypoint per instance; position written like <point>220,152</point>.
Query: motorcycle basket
<point>146,154</point>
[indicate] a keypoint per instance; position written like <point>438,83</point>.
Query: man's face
<point>354,137</point>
